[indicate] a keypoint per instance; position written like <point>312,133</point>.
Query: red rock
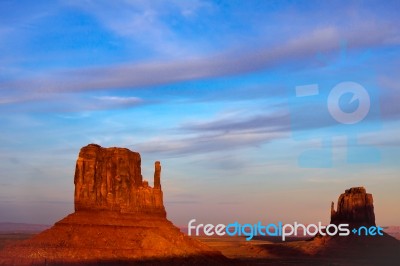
<point>355,207</point>
<point>119,220</point>
<point>111,179</point>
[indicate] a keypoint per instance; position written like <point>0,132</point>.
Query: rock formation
<point>355,207</point>
<point>157,175</point>
<point>118,220</point>
<point>111,179</point>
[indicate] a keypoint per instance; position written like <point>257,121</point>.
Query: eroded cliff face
<point>118,220</point>
<point>355,207</point>
<point>111,179</point>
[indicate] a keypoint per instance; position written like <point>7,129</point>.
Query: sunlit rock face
<point>355,207</point>
<point>118,220</point>
<point>111,179</point>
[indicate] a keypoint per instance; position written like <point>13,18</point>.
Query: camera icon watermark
<point>359,94</point>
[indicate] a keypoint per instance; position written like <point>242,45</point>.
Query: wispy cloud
<point>136,19</point>
<point>119,101</point>
<point>138,75</point>
<point>240,129</point>
<point>221,135</point>
<point>67,102</point>
<point>273,122</point>
<point>390,95</point>
<point>203,143</point>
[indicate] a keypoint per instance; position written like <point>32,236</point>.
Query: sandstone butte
<point>355,207</point>
<point>118,220</point>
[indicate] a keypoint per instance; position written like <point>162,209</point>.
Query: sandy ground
<point>297,252</point>
<point>258,252</point>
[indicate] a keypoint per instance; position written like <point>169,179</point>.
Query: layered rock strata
<point>355,207</point>
<point>111,179</point>
<point>118,220</point>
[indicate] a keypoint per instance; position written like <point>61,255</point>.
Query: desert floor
<point>255,252</point>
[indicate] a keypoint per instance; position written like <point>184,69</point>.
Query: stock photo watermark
<point>339,103</point>
<point>279,230</point>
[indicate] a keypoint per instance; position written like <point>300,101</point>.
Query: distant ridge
<point>9,227</point>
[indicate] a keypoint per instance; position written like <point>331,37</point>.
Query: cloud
<point>63,89</point>
<point>390,95</point>
<point>228,132</point>
<point>203,143</point>
<point>138,75</point>
<point>240,129</point>
<point>388,138</point>
<point>67,102</point>
<point>145,22</point>
<point>118,102</point>
<point>272,122</point>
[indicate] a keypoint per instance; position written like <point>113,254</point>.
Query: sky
<point>258,110</point>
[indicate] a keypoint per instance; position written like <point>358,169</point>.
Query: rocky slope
<point>355,207</point>
<point>118,220</point>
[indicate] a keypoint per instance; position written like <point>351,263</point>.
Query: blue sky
<point>208,88</point>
